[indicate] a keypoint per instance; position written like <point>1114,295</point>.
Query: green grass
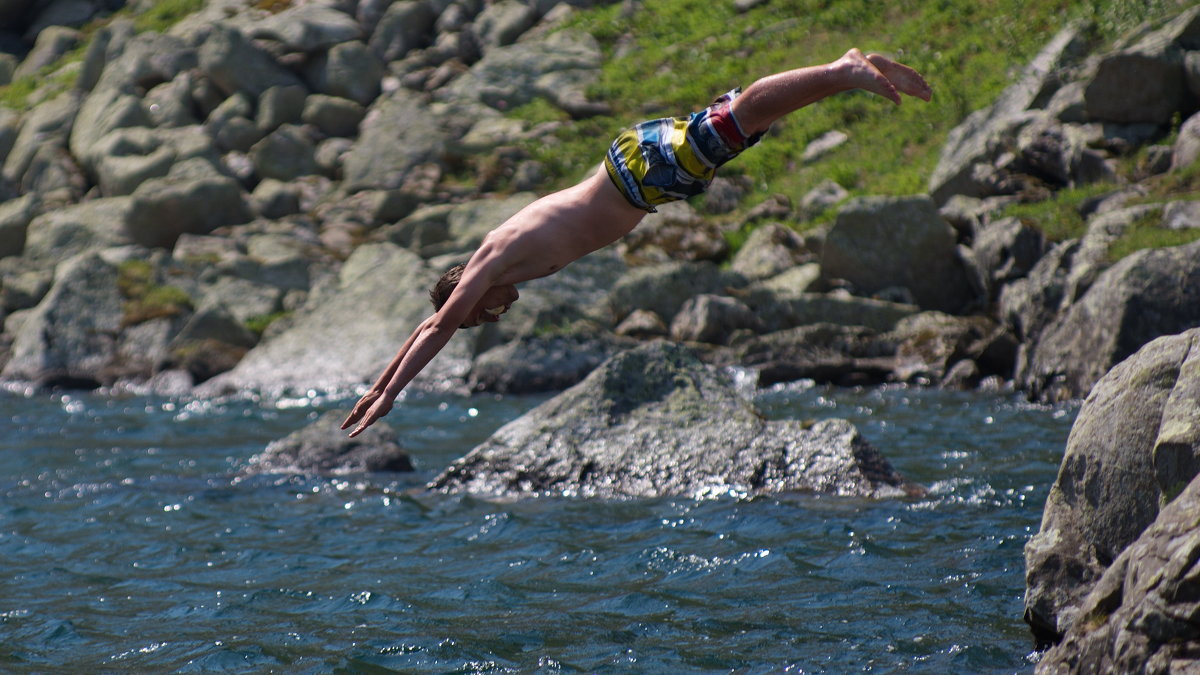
<point>672,56</point>
<point>145,298</point>
<point>1147,232</point>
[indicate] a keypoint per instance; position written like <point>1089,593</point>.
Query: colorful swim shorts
<point>674,158</point>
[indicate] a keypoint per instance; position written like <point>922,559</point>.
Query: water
<point>128,546</point>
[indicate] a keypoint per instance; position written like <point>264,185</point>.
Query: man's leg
<point>774,96</point>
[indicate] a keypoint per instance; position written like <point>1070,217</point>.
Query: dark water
<point>127,547</point>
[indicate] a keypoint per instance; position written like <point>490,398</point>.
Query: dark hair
<point>441,291</point>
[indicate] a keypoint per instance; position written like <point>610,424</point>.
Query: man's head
<point>496,301</point>
<point>441,291</point>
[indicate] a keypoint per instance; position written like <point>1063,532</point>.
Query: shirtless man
<point>653,163</point>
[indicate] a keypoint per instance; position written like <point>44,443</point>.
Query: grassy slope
<point>669,56</point>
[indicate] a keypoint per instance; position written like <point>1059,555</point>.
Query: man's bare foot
<point>866,76</point>
<point>905,79</point>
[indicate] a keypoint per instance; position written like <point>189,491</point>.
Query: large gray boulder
<point>308,28</point>
<point>665,287</point>
<point>970,143</point>
<point>561,64</point>
<point>879,243</point>
<point>1151,293</point>
<point>348,334</point>
<point>398,133</point>
<point>235,64</point>
<point>655,421</point>
<point>1140,616</point>
<point>191,199</point>
<point>61,233</point>
<point>322,448</point>
<point>47,125</point>
<point>1145,83</point>
<point>70,338</point>
<point>1134,446</point>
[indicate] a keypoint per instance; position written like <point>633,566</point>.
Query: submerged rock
<point>323,448</point>
<point>655,421</point>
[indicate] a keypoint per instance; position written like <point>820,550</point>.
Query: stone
<point>881,242</point>
<point>162,209</point>
<point>333,115</point>
<point>398,134</point>
<point>540,363</point>
<point>1133,448</point>
<point>349,70</point>
<point>771,249</point>
<point>664,288</point>
<point>347,334</point>
<point>971,142</point>
<point>308,28</point>
<point>675,232</point>
<point>713,319</point>
<point>15,215</point>
<point>235,64</point>
<point>501,23</point>
<point>47,125</point>
<point>69,340</point>
<point>654,422</point>
<point>1151,293</point>
<point>52,43</point>
<point>404,26</point>
<point>285,154</point>
<point>322,448</point>
<point>280,105</point>
<point>59,234</point>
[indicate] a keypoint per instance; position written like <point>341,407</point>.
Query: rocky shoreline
<point>256,200</point>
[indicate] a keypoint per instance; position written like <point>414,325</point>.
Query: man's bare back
<point>562,227</point>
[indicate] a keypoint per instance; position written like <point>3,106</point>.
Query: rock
<point>61,233</point>
<point>46,126</point>
<point>1137,617</point>
<point>969,143</point>
<point>501,23</point>
<point>770,250</point>
<point>322,448</point>
<point>511,76</point>
<point>405,25</point>
<point>675,232</point>
<point>128,157</point>
<point>236,64</point>
<point>713,319</point>
<point>308,28</point>
<point>823,145</point>
<point>170,103</point>
<point>793,282</point>
<point>539,363</point>
<point>280,105</point>
<point>826,195</point>
<point>1007,250</point>
<point>276,199</point>
<point>347,335</point>
<point>162,209</point>
<point>349,70</point>
<point>15,215</point>
<point>783,311</point>
<point>69,340</point>
<point>665,287</point>
<point>1132,449</point>
<point>823,352</point>
<point>1151,293</point>
<point>334,116</point>
<point>881,242</point>
<point>642,324</point>
<point>211,342</point>
<point>929,345</point>
<point>1186,150</point>
<point>285,154</point>
<point>398,134</point>
<point>1144,83</point>
<point>51,44</point>
<point>654,422</point>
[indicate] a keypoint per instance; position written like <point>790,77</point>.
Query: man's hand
<point>361,408</point>
<point>369,408</point>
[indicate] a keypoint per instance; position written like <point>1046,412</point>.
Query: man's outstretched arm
<point>418,350</point>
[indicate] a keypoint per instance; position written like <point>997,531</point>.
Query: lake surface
<point>128,545</point>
